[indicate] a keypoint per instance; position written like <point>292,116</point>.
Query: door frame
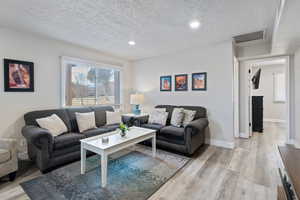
<point>249,102</point>
<point>236,96</point>
<point>248,92</point>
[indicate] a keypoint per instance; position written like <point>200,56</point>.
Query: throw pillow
<point>85,121</point>
<point>177,117</point>
<point>189,116</point>
<point>53,124</point>
<point>158,117</point>
<point>160,109</point>
<point>113,118</point>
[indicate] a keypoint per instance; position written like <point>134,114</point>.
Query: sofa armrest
<point>195,134</point>
<point>11,165</point>
<point>8,144</point>
<point>143,120</point>
<point>38,136</point>
<point>197,125</point>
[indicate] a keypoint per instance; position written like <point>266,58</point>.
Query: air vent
<point>259,35</point>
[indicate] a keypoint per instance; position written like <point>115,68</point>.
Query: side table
<point>132,119</point>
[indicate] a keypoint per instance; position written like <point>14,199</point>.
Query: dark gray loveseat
<point>186,139</point>
<point>48,151</point>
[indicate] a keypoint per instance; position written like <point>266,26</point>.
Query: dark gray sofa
<point>49,152</point>
<point>186,139</point>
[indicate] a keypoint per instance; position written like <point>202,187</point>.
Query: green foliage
<point>103,75</point>
<point>102,78</point>
<point>123,127</point>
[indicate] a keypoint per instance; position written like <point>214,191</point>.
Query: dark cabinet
<point>257,113</point>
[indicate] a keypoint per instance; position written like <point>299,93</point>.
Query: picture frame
<point>166,83</point>
<point>199,81</point>
<point>18,76</point>
<point>181,82</point>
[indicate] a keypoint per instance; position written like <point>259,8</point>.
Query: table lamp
<point>136,99</point>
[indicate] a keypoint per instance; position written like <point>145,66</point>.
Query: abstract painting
<point>181,82</point>
<point>199,81</point>
<point>165,83</point>
<point>18,76</point>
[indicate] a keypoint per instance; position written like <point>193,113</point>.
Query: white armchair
<point>8,158</point>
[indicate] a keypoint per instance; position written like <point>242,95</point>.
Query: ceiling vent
<point>249,37</point>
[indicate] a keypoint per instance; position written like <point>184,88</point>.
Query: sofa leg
<point>12,176</point>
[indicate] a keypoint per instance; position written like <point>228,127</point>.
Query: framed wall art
<point>181,82</point>
<point>166,83</point>
<point>18,76</point>
<point>199,81</point>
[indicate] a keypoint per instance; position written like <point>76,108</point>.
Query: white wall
<point>272,110</point>
<point>45,54</point>
<point>296,92</point>
<point>217,61</point>
<point>253,49</point>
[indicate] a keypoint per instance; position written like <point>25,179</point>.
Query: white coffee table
<point>116,143</point>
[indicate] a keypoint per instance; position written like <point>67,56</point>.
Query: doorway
<point>264,92</point>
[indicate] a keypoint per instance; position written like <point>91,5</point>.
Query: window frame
<point>276,82</point>
<point>72,60</point>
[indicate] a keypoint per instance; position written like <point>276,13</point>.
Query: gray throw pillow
<point>189,116</point>
<point>177,117</point>
<point>158,117</point>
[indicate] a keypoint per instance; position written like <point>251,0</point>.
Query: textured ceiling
<point>158,26</point>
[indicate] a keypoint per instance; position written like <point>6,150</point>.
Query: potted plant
<point>123,129</point>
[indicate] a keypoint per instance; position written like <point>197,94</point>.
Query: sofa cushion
<point>177,117</point>
<point>153,126</point>
<point>200,111</point>
<point>53,124</point>
<point>158,117</point>
<point>111,127</point>
<point>67,140</point>
<point>64,151</point>
<point>100,114</point>
<point>72,116</point>
<point>113,117</point>
<point>172,134</point>
<point>4,155</point>
<point>30,118</point>
<point>85,121</point>
<point>96,131</point>
<point>189,115</point>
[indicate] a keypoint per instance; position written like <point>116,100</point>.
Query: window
<point>279,87</point>
<point>88,84</point>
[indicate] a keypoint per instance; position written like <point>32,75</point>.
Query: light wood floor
<point>248,172</point>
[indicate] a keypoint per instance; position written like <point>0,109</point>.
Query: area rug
<point>132,175</point>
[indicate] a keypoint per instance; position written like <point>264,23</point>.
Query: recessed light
<point>195,24</point>
<point>131,43</point>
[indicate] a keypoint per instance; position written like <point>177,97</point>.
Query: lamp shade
<point>136,99</point>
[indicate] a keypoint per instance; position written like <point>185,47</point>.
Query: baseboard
<point>243,135</point>
<point>220,143</point>
<point>274,120</point>
<point>294,143</point>
<point>290,141</point>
